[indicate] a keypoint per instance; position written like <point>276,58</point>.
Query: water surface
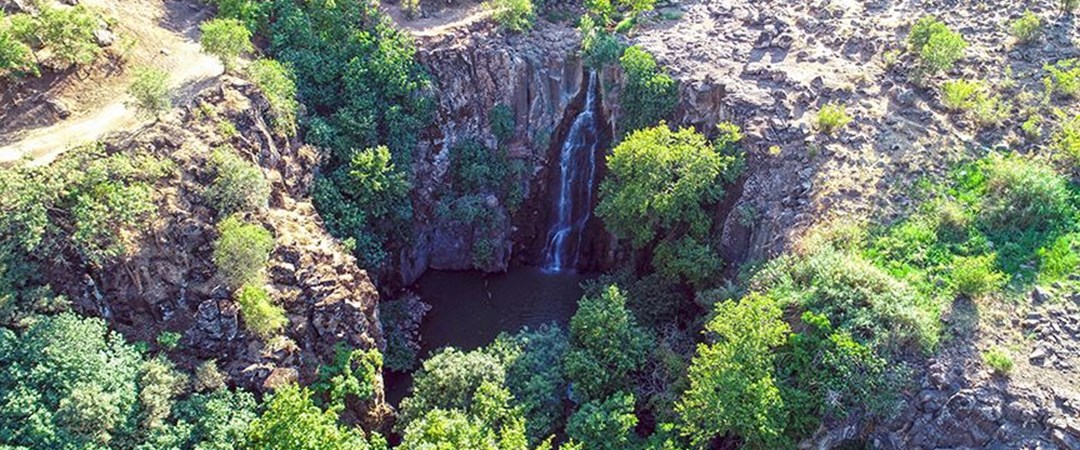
<point>469,309</point>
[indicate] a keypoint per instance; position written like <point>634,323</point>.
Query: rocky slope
<point>769,66</point>
<point>168,283</point>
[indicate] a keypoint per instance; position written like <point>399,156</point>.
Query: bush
<point>169,340</point>
<point>351,377</point>
<point>975,276</point>
<point>959,95</point>
<point>411,8</point>
<point>1022,196</point>
<point>649,94</point>
<point>238,185</point>
<point>999,360</point>
<point>261,316</point>
<point>150,87</point>
<point>226,39</point>
<point>832,117</point>
<point>937,47</point>
<point>1066,144</point>
<point>1064,77</point>
<point>276,82</point>
<point>241,252</point>
<point>1069,6</point>
<point>67,32</point>
<point>599,48</point>
<point>16,58</point>
<point>501,119</point>
<point>1059,260</point>
<point>1027,27</point>
<point>606,346</point>
<point>514,15</point>
<point>251,12</point>
<point>732,382</point>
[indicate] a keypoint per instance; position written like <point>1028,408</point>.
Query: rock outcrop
<point>475,69</point>
<point>169,281</point>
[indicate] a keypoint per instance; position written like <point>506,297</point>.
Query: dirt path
<point>167,33</point>
<point>438,22</point>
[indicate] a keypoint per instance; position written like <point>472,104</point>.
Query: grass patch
<point>832,117</point>
<point>999,360</point>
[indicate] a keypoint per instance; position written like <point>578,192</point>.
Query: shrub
<point>169,340</point>
<point>999,360</point>
<point>649,95</point>
<point>501,119</point>
<point>599,48</point>
<point>831,117</point>
<point>1026,28</point>
<point>1066,144</point>
<point>261,316</point>
<point>975,276</point>
<point>226,39</point>
<point>16,58</point>
<point>959,95</point>
<point>411,8</point>
<point>1069,6</point>
<point>251,12</point>
<point>150,87</point>
<point>1059,259</point>
<point>606,346</point>
<point>1023,195</point>
<point>990,110</point>
<point>732,383</point>
<point>514,15</point>
<point>68,33</point>
<point>351,377</point>
<point>276,82</point>
<point>1064,77</point>
<point>937,46</point>
<point>208,377</point>
<point>238,185</point>
<point>241,252</point>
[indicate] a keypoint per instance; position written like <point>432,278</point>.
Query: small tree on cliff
<point>226,39</point>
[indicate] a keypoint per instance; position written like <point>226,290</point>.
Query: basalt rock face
<point>169,283</point>
<point>474,70</point>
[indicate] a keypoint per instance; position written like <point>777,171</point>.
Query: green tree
<point>67,32</point>
<point>649,95</point>
<point>489,423</point>
<point>657,192</point>
<point>535,376</point>
<point>226,39</point>
<point>606,346</point>
<point>604,425</point>
<point>291,421</point>
<point>150,88</point>
<point>732,381</point>
<point>449,380</point>
<point>241,251</point>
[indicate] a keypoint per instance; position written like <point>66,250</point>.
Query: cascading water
<point>577,175</point>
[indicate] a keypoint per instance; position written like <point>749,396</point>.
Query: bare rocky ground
<point>769,65</point>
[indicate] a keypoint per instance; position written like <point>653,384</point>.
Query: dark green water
<point>469,309</point>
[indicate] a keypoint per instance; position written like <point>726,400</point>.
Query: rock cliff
<point>474,70</point>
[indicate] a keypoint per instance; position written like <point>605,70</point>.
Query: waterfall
<point>577,177</point>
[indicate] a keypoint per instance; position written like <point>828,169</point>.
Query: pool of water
<point>469,309</point>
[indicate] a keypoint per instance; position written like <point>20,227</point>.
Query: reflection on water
<point>468,309</point>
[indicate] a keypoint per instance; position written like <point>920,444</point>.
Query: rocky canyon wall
<point>474,70</point>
